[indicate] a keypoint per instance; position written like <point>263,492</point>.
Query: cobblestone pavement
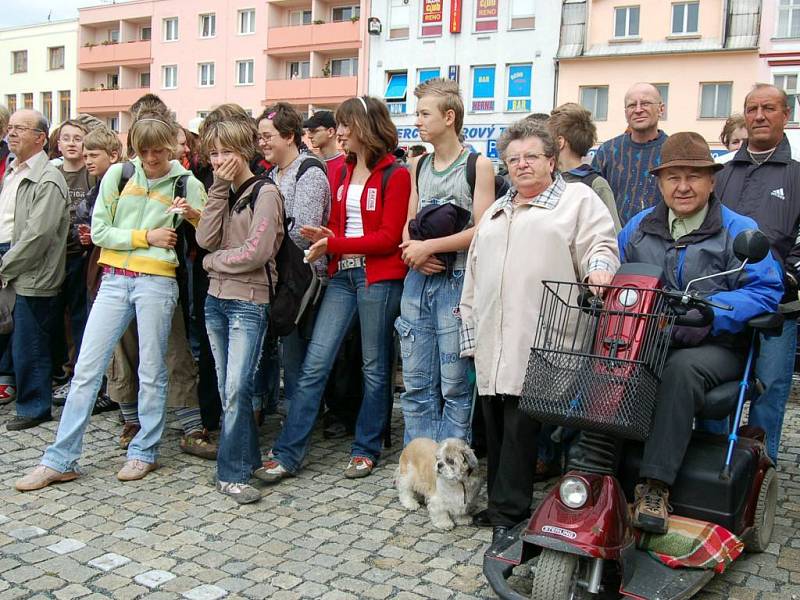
<point>318,535</point>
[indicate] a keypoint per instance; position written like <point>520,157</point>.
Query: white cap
<point>194,125</point>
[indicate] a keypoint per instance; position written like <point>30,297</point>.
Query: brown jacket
<point>241,240</point>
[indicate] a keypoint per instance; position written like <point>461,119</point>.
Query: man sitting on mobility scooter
<point>690,235</point>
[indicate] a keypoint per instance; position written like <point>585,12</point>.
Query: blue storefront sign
<point>483,89</point>
<point>519,88</point>
<point>491,149</point>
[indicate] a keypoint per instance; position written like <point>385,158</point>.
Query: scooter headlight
<point>574,492</point>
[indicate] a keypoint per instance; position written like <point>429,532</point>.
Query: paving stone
<point>108,562</point>
<point>205,592</point>
<point>66,546</point>
<point>153,579</point>
<point>27,533</point>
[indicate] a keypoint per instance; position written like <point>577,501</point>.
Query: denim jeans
<point>437,403</point>
<point>774,367</point>
<point>72,298</point>
<point>34,321</point>
<point>267,380</point>
<point>151,299</point>
<point>236,333</point>
<point>376,306</point>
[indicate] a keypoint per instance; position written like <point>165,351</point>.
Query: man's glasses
<point>528,158</point>
<point>643,104</point>
<point>23,129</point>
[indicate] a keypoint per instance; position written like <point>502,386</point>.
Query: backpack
<point>298,286</point>
<point>501,186</point>
<point>309,162</point>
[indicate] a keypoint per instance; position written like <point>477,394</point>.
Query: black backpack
<point>501,186</point>
<point>298,287</point>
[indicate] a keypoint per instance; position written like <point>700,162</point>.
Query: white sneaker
<point>243,493</point>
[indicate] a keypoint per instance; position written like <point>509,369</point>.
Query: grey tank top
<point>447,186</point>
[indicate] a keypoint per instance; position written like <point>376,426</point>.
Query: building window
<point>112,81</point>
<point>299,17</point>
<point>685,18</point>
<point>113,124</point>
<point>113,36</point>
<point>64,105</point>
<point>208,25</point>
<point>169,76</point>
<point>424,75</point>
<point>399,19</point>
<point>344,67</point>
<point>145,33</point>
<point>299,70</point>
<point>626,22</point>
<point>482,89</point>
<point>522,14</point>
<point>396,90</point>
<point>11,102</point>
<point>788,19</point>
<point>247,21</point>
<point>27,101</point>
<point>205,74</point>
<point>203,113</point>
<point>345,13</point>
<point>55,58</point>
<point>47,106</point>
<point>144,79</point>
<point>244,72</point>
<point>19,61</point>
<point>518,98</point>
<point>595,100</point>
<point>171,29</point>
<point>715,100</point>
<point>486,12</point>
<point>431,18</point>
<point>663,89</point>
<point>788,83</point>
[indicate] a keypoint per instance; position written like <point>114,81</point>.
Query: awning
<point>396,88</point>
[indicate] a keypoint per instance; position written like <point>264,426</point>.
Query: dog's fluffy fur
<point>444,477</point>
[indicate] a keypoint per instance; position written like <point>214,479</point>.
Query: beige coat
<point>562,234</point>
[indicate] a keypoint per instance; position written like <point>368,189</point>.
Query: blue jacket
<point>709,249</point>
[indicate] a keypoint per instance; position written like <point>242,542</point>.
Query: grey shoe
<point>242,493</point>
<point>271,472</point>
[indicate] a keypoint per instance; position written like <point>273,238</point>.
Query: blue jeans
<point>774,367</point>
<point>236,334</point>
<point>72,298</point>
<point>151,300</point>
<point>376,306</point>
<point>293,353</point>
<point>437,403</point>
<point>34,321</point>
<point>267,377</point>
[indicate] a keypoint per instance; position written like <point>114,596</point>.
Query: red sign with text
<point>455,16</point>
<point>486,15</point>
<point>432,17</point>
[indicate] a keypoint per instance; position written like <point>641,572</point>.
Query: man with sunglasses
<point>34,219</point>
<point>626,160</point>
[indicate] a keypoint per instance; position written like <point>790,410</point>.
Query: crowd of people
<point>122,271</point>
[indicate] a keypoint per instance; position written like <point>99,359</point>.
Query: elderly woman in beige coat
<point>544,228</point>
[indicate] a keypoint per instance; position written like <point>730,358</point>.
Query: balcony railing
<point>314,89</point>
<point>112,55</point>
<point>323,36</point>
<point>109,100</point>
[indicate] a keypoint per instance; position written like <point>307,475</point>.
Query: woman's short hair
<point>152,131</point>
<point>368,119</point>
<point>526,128</point>
<point>733,123</point>
<point>102,138</point>
<point>574,123</point>
<point>235,131</point>
<point>286,120</point>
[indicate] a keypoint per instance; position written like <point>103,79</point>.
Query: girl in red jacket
<point>368,212</point>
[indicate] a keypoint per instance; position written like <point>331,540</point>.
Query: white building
<point>38,68</point>
<point>502,52</point>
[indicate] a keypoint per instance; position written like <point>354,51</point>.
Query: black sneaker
<point>104,404</point>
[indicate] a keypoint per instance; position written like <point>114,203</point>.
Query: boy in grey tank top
<point>437,403</point>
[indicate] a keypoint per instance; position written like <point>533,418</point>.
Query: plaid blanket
<point>693,544</point>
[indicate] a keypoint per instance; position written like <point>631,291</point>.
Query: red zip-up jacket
<point>383,220</point>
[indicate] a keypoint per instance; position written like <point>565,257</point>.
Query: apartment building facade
<point>701,54</point>
<point>40,68</point>
<point>501,53</point>
<point>780,53</point>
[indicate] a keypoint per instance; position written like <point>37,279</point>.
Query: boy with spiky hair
<point>448,185</point>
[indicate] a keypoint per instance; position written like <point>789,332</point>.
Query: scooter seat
<point>720,401</point>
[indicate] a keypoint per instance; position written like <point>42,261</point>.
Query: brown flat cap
<point>686,149</point>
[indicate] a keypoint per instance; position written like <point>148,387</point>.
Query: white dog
<point>443,476</point>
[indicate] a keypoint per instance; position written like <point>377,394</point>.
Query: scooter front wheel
<point>556,576</point>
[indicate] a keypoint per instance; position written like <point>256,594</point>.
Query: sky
<point>29,12</point>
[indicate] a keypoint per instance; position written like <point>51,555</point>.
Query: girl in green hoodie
<point>136,230</point>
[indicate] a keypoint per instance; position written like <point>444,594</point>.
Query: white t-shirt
<point>354,227</point>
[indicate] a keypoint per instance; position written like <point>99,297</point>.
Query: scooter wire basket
<point>596,364</point>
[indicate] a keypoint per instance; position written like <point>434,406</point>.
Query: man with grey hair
<point>33,235</point>
<point>626,160</point>
<point>762,181</point>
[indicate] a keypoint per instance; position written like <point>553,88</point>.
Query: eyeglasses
<point>265,137</point>
<point>67,139</point>
<point>528,158</point>
<point>643,104</point>
<point>23,129</point>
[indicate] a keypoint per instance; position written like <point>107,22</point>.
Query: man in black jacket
<point>763,182</point>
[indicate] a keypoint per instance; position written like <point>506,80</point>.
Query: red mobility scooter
<point>595,367</point>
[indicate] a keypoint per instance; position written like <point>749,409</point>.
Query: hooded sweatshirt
<point>120,221</point>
